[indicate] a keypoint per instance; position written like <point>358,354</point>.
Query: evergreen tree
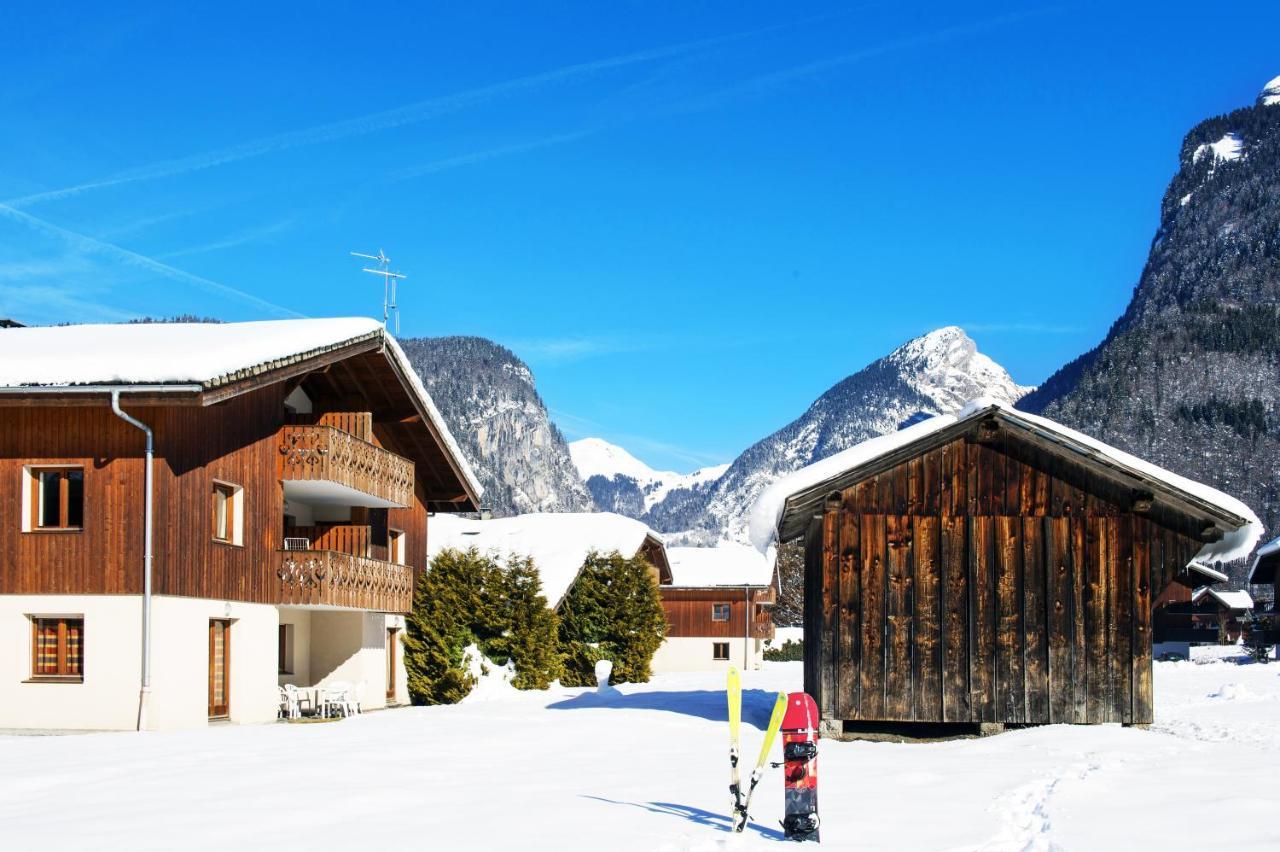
<point>530,629</point>
<point>614,612</point>
<point>469,598</point>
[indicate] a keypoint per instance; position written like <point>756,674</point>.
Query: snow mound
<point>1270,93</point>
<point>492,681</point>
<point>1235,692</point>
<point>1226,149</point>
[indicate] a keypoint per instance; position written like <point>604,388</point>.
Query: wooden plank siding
<point>689,612</point>
<point>986,581</point>
<point>236,441</point>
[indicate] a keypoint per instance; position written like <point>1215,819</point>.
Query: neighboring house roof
<point>204,361</point>
<point>1235,600</point>
<point>785,507</point>
<point>558,542</point>
<point>1265,563</point>
<point>723,565</point>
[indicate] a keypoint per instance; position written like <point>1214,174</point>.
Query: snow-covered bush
<point>612,612</point>
<point>467,598</point>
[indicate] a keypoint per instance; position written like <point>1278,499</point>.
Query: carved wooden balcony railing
<point>762,627</point>
<point>326,577</point>
<point>329,454</point>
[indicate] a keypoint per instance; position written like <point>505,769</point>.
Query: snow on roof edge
<point>767,513</point>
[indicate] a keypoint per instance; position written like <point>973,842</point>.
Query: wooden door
<point>391,663</point>
<point>219,668</point>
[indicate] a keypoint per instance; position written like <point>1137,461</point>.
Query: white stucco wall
<point>108,697</point>
<point>694,654</point>
<point>180,661</point>
<point>342,645</point>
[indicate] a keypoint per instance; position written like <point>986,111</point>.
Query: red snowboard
<point>800,762</point>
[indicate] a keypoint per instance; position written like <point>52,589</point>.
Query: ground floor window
<point>57,648</point>
<point>719,650</point>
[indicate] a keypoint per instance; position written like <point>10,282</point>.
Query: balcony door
<point>219,668</point>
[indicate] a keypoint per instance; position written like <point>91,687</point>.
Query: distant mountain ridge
<point>488,398</point>
<point>935,373</point>
<point>1189,375</point>
<point>620,482</point>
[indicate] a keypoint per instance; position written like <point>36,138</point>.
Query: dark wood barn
<point>993,569</point>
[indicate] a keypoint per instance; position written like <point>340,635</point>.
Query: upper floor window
<point>56,498</point>
<point>395,546</point>
<point>228,517</point>
<point>57,647</point>
<point>720,612</point>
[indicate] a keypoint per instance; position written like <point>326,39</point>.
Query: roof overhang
<point>801,507</point>
<point>1266,564</point>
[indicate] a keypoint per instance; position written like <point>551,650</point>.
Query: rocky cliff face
<point>933,374</point>
<point>487,396</point>
<point>1189,375</point>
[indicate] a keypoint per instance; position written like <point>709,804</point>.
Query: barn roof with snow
<point>723,565</point>
<point>1233,600</point>
<point>785,508</point>
<point>1266,564</point>
<point>206,363</point>
<point>558,542</point>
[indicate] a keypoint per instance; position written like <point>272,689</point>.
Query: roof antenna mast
<point>389,280</point>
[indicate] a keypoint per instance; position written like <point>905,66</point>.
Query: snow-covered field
<point>647,769</point>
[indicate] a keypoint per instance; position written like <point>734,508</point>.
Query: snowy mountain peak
<point>1270,95</point>
<point>597,457</point>
<point>946,366</point>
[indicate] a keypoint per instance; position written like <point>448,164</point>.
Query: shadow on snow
<point>719,822</point>
<point>757,704</point>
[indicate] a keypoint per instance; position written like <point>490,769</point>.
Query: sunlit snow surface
<point>647,770</point>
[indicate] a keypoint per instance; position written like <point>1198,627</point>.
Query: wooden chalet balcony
<point>762,627</point>
<point>322,454</point>
<point>332,578</point>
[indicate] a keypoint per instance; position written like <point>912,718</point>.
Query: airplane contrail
<point>376,121</point>
<point>90,245</point>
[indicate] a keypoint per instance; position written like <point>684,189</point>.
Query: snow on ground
<point>646,769</point>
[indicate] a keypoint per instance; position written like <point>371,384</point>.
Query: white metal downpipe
<point>144,697</point>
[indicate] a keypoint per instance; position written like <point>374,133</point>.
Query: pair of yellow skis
<point>742,802</point>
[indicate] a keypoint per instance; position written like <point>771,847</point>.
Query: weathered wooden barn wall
<point>987,582</point>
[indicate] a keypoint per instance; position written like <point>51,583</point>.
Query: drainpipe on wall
<point>144,697</point>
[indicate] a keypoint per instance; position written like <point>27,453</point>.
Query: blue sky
<point>689,218</point>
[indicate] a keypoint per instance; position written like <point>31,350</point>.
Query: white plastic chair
<point>290,701</point>
<point>337,699</point>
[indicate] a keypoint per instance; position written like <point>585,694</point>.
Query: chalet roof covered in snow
<point>725,564</point>
<point>785,506</point>
<point>1266,564</point>
<point>1238,599</point>
<point>558,542</point>
<point>199,358</point>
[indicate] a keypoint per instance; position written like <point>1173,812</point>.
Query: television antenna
<point>389,280</point>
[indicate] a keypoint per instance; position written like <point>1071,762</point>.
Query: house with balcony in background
<point>718,606</point>
<point>198,514</point>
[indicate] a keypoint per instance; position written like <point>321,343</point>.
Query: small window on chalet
<point>395,549</point>
<point>57,648</point>
<point>228,519</point>
<point>719,650</point>
<point>720,612</point>
<point>56,496</point>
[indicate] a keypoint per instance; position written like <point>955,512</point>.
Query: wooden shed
<point>990,568</point>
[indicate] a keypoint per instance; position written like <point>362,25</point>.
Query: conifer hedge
<point>466,597</point>
<point>613,611</point>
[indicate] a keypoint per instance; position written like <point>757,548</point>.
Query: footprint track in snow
<point>1025,813</point>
